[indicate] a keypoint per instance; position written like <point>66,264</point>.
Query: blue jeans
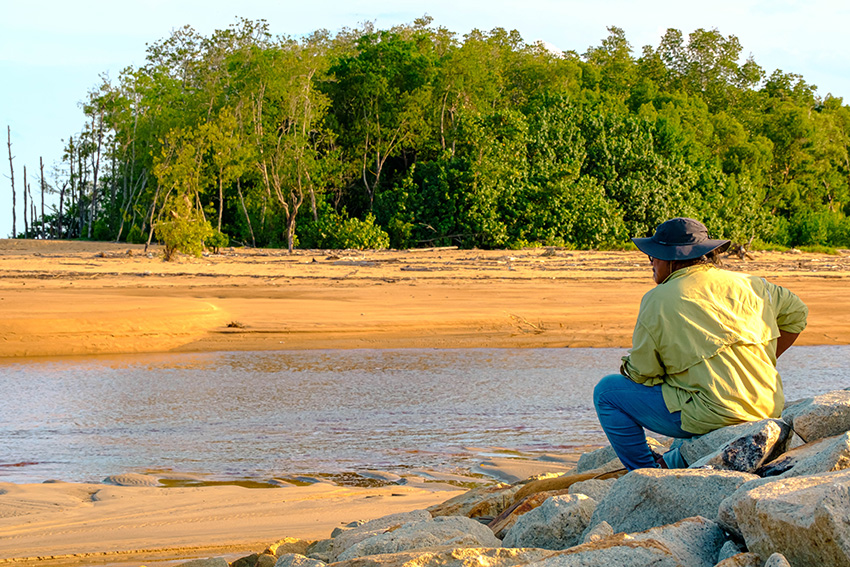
<point>624,409</point>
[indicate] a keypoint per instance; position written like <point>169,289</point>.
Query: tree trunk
<point>26,226</point>
<point>245,210</point>
<point>41,169</point>
<point>61,210</point>
<point>12,171</point>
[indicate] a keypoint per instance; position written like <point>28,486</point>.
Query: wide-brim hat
<point>679,239</point>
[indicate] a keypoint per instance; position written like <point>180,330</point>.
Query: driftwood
<point>742,251</point>
<point>552,485</point>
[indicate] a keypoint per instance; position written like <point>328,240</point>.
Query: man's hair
<point>712,257</point>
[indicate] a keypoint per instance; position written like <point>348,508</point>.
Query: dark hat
<point>679,239</point>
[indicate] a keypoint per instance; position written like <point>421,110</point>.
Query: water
<point>258,415</point>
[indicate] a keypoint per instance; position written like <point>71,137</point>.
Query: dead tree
<point>41,168</point>
<point>26,227</point>
<point>12,171</point>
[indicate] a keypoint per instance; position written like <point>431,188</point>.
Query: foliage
<point>414,136</point>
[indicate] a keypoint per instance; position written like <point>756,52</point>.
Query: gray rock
<point>807,519</point>
<point>322,550</point>
<point>593,460</point>
<point>209,562</point>
<point>454,557</point>
<point>356,534</point>
<point>825,455</point>
<point>454,531</point>
<point>557,524</point>
<point>647,498</point>
<point>826,415</point>
<point>704,446</point>
<point>729,549</point>
<point>605,459</point>
<point>694,542</point>
<point>600,531</point>
<point>296,560</point>
<point>595,488</point>
<point>746,448</point>
<point>777,560</point>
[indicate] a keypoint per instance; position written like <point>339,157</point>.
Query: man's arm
<point>785,341</point>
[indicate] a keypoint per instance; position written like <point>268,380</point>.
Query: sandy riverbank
<point>70,298</point>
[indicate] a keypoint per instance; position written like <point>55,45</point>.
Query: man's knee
<point>605,386</point>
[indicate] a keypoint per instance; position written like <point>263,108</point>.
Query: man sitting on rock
<point>704,348</point>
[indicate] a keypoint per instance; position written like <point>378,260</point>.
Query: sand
<point>73,298</point>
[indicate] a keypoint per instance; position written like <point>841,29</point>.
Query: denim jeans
<point>625,409</point>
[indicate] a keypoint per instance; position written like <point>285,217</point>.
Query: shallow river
<point>257,415</point>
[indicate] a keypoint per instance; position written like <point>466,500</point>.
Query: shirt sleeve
<point>643,363</point>
<point>791,312</point>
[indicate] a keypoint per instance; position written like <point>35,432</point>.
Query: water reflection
<point>264,414</point>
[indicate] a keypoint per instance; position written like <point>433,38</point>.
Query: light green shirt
<point>708,336</point>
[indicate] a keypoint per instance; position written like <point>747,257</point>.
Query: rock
<point>455,531</point>
<point>826,415</point>
<point>600,531</point>
<point>358,533</point>
<point>729,549</point>
<point>777,560</point>
<point>744,447</point>
<point>647,498</point>
<point>605,459</point>
<point>825,455</point>
<point>594,488</point>
<point>482,501</point>
<point>322,550</point>
<point>460,557</point>
<point>557,524</point>
<point>693,542</point>
<point>209,562</point>
<point>599,458</point>
<point>504,522</point>
<point>807,519</point>
<point>288,545</point>
<point>257,560</point>
<point>296,560</point>
<point>247,561</point>
<point>741,560</point>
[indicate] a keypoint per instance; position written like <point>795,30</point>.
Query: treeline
<point>413,136</point>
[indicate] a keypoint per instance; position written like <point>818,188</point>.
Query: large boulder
<point>741,560</point>
<point>693,542</point>
<point>744,447</point>
<point>455,557</point>
<point>454,531</point>
<point>288,545</point>
<point>646,498</point>
<point>605,459</point>
<point>807,519</point>
<point>345,539</point>
<point>557,524</point>
<point>826,415</point>
<point>484,501</point>
<point>824,455</point>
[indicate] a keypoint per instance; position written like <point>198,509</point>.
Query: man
<point>704,348</point>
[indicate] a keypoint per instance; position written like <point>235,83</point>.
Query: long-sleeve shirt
<point>708,336</point>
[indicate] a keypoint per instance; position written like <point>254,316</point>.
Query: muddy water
<point>258,415</point>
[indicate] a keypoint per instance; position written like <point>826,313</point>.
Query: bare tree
<point>12,170</point>
<point>26,227</point>
<point>41,168</point>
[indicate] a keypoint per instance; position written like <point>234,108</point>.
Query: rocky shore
<point>764,494</point>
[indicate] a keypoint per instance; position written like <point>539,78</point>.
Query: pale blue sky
<point>52,52</point>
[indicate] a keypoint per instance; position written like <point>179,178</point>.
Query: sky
<point>53,52</point>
